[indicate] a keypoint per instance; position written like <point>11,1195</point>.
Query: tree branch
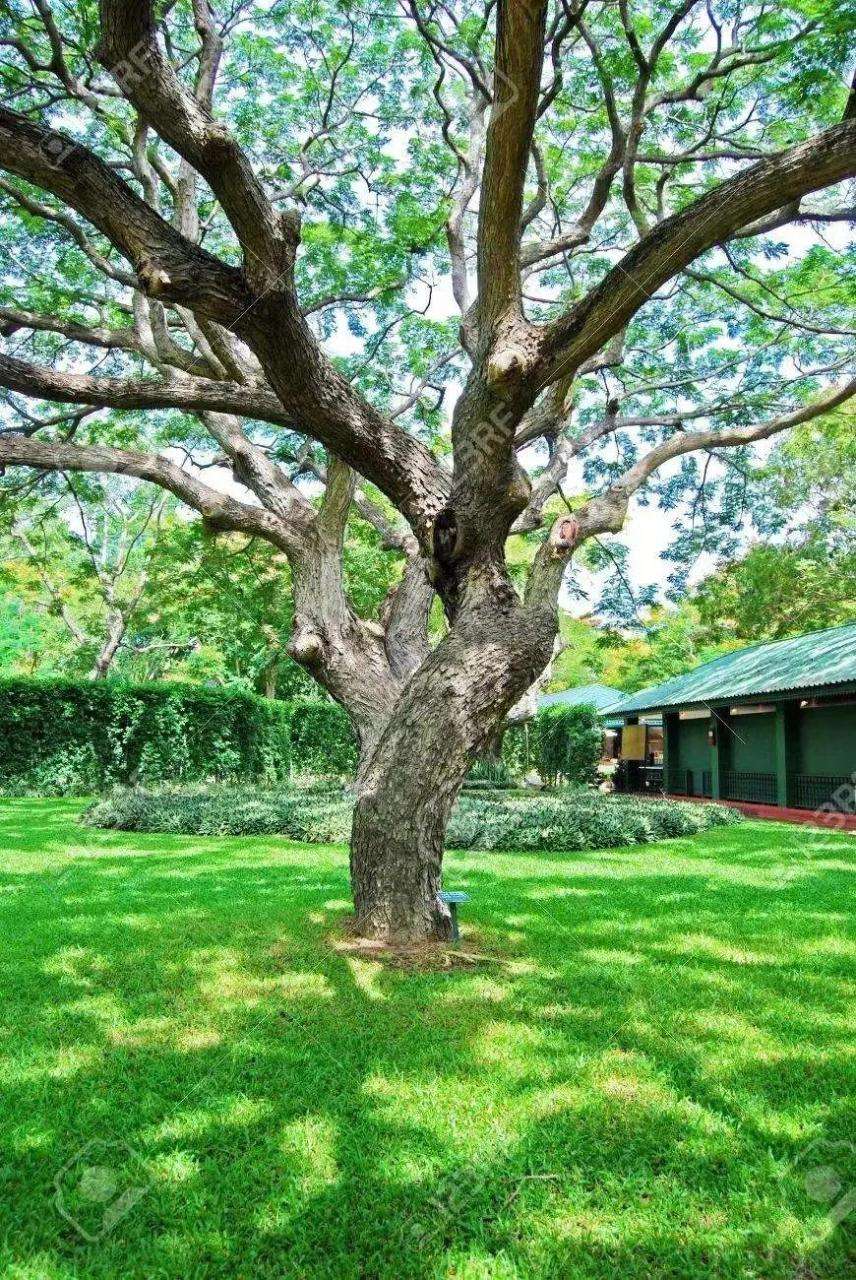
<point>607,512</point>
<point>192,395</point>
<point>674,243</point>
<point>129,50</point>
<point>221,511</point>
<point>166,264</point>
<point>520,31</point>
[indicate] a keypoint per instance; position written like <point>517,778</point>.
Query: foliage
<point>490,771</point>
<point>233,596</point>
<point>567,743</point>
<point>322,741</point>
<point>29,640</point>
<point>75,551</point>
<point>779,591</point>
<point>576,819</point>
<point>583,656</point>
<point>213,609</point>
<point>64,737</point>
<point>318,817</point>
<point>573,819</point>
<point>672,640</point>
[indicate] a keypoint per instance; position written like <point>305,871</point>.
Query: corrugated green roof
<point>594,695</point>
<point>805,662</point>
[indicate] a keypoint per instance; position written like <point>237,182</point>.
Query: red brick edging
<point>773,813</point>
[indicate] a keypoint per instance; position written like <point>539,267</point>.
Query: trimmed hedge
<point>67,737</point>
<point>566,821</point>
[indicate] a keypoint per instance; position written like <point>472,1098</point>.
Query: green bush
<point>567,743</point>
<point>488,771</point>
<point>65,737</point>
<point>312,814</point>
<point>570,820</point>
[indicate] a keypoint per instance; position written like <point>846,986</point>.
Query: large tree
<point>238,216</point>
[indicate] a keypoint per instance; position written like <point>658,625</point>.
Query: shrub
<point>65,737</point>
<point>314,815</point>
<point>491,772</point>
<point>575,820</point>
<point>567,743</point>
<point>571,820</point>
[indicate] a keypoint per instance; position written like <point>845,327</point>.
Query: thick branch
<point>129,50</point>
<point>222,511</point>
<point>677,241</point>
<point>519,57</point>
<point>607,512</point>
<point>13,318</point>
<point>191,394</point>
<point>165,262</point>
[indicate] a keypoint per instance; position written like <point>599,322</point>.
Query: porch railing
<point>679,782</point>
<point>752,788</point>
<point>805,791</point>
<point>811,791</point>
<point>689,782</point>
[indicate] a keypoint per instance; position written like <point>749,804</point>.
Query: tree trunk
<point>451,708</point>
<point>115,634</point>
<point>396,860</point>
<point>269,676</point>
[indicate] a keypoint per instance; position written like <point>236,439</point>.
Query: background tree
<point>609,192</point>
<point>803,576</point>
<point>80,552</point>
<point>235,595</point>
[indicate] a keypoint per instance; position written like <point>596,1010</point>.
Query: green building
<point>774,724</point>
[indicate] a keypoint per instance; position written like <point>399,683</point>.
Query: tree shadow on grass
<point>626,1091</point>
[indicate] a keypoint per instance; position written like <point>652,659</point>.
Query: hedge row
<point>72,737</point>
<point>65,737</point>
<point>565,821</point>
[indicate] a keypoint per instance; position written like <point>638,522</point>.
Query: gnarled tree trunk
<point>450,709</point>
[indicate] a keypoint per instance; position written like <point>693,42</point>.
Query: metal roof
<point>804,662</point>
<point>600,696</point>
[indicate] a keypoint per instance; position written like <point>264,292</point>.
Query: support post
<point>719,751</point>
<point>783,751</point>
<point>670,745</point>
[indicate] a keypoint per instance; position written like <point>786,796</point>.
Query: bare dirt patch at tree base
<point>422,956</point>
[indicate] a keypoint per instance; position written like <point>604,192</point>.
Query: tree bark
<point>116,625</point>
<point>451,708</point>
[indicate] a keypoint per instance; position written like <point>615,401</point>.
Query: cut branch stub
<point>305,646</point>
<point>153,278</point>
<point>564,535</point>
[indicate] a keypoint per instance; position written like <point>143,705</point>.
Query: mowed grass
<point>651,1078</point>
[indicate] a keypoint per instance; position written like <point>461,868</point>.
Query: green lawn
<point>651,1080</point>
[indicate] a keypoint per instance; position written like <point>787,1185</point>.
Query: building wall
<point>688,750</point>
<point>752,743</point>
<point>826,740</point>
<point>693,744</point>
<point>795,743</point>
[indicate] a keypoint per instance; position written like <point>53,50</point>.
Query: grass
<point>653,1078</point>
